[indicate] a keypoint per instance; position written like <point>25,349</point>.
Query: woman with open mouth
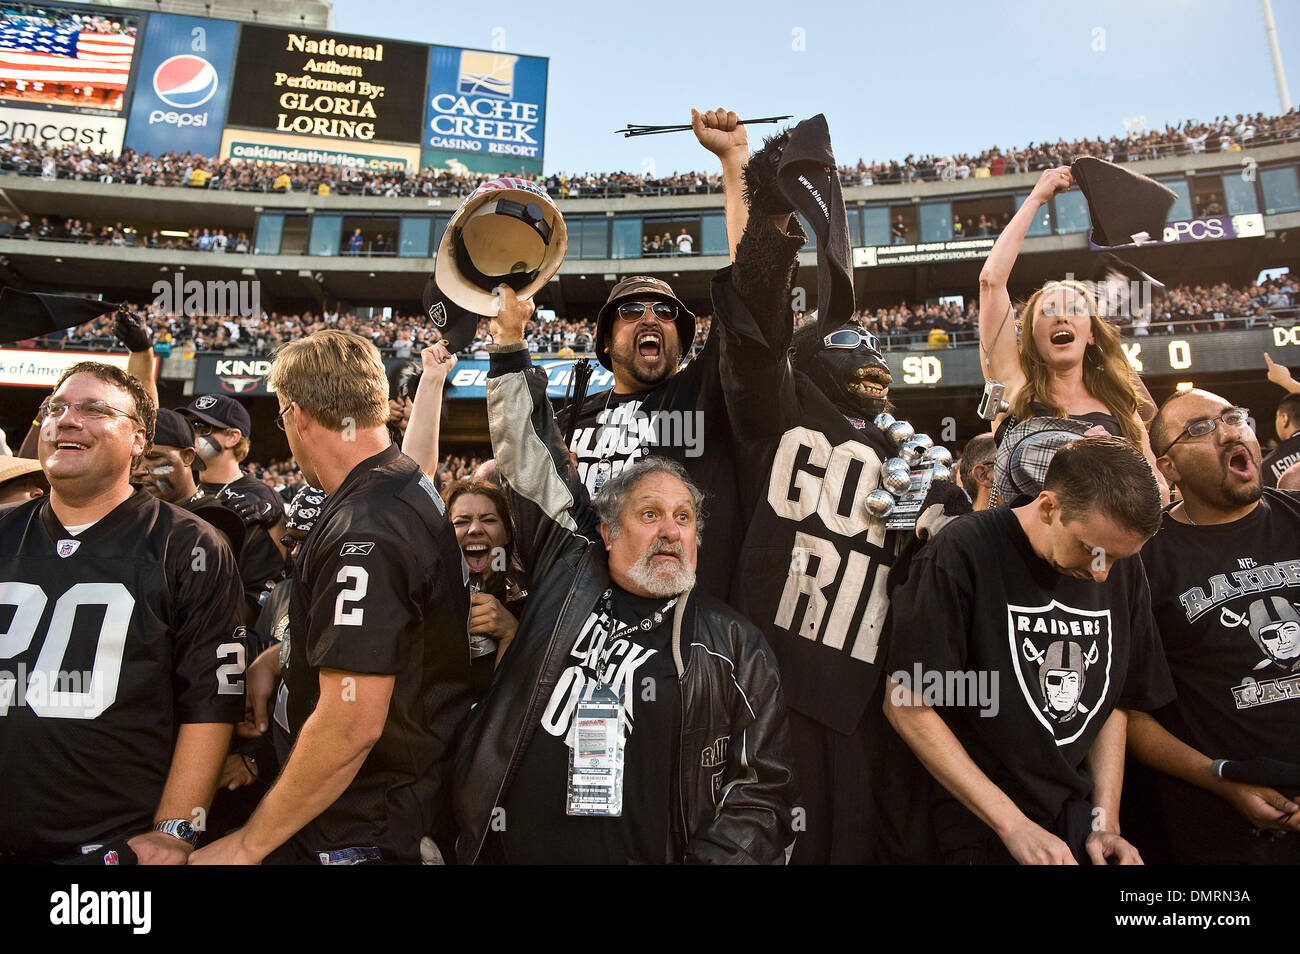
<point>1061,358</point>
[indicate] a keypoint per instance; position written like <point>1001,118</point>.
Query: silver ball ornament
<point>897,481</point>
<point>910,451</point>
<point>941,455</point>
<point>883,420</point>
<point>880,503</point>
<point>941,472</point>
<point>924,440</point>
<point>897,463</point>
<point>900,431</point>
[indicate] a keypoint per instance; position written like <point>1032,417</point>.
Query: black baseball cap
<point>173,429</point>
<point>218,410</point>
<point>640,286</point>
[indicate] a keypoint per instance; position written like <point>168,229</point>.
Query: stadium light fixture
<point>174,233</point>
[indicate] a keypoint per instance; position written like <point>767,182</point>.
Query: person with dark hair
<point>977,470</point>
<point>498,588</point>
<point>119,762</point>
<point>1287,424</point>
<point>1225,582</point>
<point>1048,603</point>
<point>222,438</point>
<point>645,718</point>
<point>1062,358</point>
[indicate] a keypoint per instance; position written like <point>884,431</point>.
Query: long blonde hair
<point>1107,375</point>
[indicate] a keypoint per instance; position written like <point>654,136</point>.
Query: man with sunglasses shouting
<point>1225,588</point>
<point>658,406</point>
<point>122,664</point>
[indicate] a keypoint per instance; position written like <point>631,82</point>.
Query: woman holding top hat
<point>1061,358</point>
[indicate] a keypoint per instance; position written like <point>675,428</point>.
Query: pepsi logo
<point>185,81</point>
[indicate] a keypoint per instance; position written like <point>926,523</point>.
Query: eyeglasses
<point>89,410</point>
<point>633,310</point>
<point>1233,417</point>
<point>279,418</point>
<point>850,338</point>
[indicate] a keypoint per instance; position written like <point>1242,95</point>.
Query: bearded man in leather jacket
<point>693,697</point>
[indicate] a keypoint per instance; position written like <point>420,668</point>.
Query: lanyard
<point>653,621</point>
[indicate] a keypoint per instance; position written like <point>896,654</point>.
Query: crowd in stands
<point>86,232</point>
<point>1182,309</point>
<point>1223,134</point>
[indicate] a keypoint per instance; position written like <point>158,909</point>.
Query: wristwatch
<point>179,828</point>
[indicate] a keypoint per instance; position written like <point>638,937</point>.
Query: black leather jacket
<point>733,778</point>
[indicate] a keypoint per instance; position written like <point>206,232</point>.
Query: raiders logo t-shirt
<point>1023,664</point>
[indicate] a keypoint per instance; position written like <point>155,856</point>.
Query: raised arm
<point>721,132</point>
<point>420,442</point>
<point>1280,375</point>
<point>135,336</point>
<point>999,357</point>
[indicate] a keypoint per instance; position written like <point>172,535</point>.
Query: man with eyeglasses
<point>223,431</point>
<point>121,668</point>
<point>1225,583</point>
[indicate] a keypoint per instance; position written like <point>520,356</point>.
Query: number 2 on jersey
<point>360,580</point>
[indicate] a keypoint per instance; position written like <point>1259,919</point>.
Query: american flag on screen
<point>44,53</point>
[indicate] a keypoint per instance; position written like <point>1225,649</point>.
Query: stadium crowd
<point>1222,134</point>
<point>731,610</point>
<point>1181,309</point>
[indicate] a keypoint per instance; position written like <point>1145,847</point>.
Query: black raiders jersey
<point>1275,464</point>
<point>109,640</point>
<point>380,588</point>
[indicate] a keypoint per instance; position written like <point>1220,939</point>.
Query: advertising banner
<point>328,85</point>
<point>42,369</point>
<point>55,128</point>
<point>57,58</point>
<point>183,85</point>
<point>485,111</point>
<point>1212,228</point>
<point>277,147</point>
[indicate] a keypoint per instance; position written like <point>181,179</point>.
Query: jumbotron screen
<point>328,85</point>
<point>61,58</point>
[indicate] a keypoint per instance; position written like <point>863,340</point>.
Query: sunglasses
<point>850,338</point>
<point>633,310</point>
<point>530,213</point>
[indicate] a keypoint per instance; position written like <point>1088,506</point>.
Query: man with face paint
<point>165,471</point>
<point>814,564</point>
<point>222,431</point>
<point>1225,583</point>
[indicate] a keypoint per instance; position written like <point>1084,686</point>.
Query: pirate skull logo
<point>1062,660</point>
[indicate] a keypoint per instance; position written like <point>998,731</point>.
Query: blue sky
<point>891,77</point>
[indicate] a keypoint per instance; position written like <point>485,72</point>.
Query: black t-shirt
<point>1275,464</point>
<point>685,419</point>
<point>1056,655</point>
<point>638,666</point>
<point>259,560</point>
<point>380,589</point>
<point>1227,605</point>
<point>1221,595</point>
<point>139,613</point>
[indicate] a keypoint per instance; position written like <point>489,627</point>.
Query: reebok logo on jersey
<point>356,549</point>
<point>65,548</point>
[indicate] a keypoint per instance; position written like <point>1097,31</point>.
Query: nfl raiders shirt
<point>379,588</point>
<point>1023,664</point>
<point>1227,605</point>
<point>112,639</point>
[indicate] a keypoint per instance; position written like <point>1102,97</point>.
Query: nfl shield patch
<point>65,548</point>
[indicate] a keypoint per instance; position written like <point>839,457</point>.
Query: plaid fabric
<point>1026,450</point>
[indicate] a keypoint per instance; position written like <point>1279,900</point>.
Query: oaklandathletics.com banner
<point>97,133</point>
